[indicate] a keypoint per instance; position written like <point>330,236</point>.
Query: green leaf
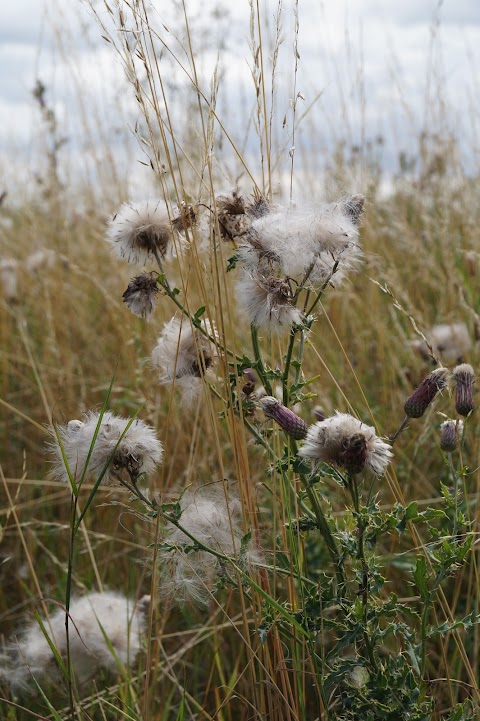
<point>199,312</point>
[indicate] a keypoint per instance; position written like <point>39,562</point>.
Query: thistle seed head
<point>106,631</point>
<point>91,445</point>
<point>141,295</point>
<point>354,207</point>
<point>348,443</point>
<point>267,301</point>
<point>232,219</point>
<point>141,231</point>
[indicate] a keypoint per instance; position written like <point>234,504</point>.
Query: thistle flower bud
<point>464,378</point>
<point>140,296</point>
<point>450,431</point>
<point>292,424</point>
<point>416,405</point>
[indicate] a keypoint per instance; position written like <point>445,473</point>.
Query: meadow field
<point>281,562</point>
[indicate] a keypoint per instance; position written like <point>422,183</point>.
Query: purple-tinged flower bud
<point>418,402</point>
<point>286,419</point>
<point>449,433</point>
<point>464,378</point>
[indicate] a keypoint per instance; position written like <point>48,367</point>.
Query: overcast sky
<point>384,68</point>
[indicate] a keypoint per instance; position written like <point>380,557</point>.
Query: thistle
<point>125,453</point>
<point>348,443</point>
<point>267,301</point>
<point>184,354</point>
<point>140,296</point>
<point>142,232</point>
<point>464,379</point>
<point>214,520</point>
<point>450,431</point>
<point>416,404</point>
<point>106,631</point>
<point>232,218</point>
<point>292,424</point>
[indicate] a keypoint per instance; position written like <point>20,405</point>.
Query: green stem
<point>258,360</point>
<point>322,524</point>
<point>352,485</point>
<point>68,593</point>
<point>288,360</point>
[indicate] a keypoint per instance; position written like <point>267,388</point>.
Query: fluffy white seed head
<point>139,231</point>
<point>215,521</point>
<point>123,621</point>
<point>184,355</point>
<point>137,453</point>
<point>266,301</point>
<point>348,443</point>
<point>307,237</point>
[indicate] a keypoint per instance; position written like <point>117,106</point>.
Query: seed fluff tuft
<point>141,295</point>
<point>93,619</point>
<point>184,355</point>
<point>348,443</point>
<point>143,232</point>
<point>215,521</point>
<point>137,453</point>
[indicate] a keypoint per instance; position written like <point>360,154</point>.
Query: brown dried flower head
<point>141,295</point>
<point>416,405</point>
<point>232,218</point>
